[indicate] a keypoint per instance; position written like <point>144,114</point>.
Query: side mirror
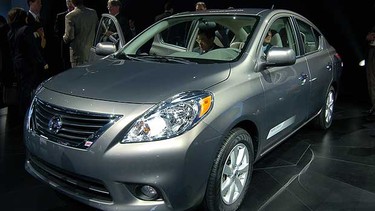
<point>279,56</point>
<point>105,48</point>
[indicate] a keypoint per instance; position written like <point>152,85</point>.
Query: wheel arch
<point>252,129</point>
<point>335,85</point>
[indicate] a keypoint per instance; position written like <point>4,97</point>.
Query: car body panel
<point>126,81</point>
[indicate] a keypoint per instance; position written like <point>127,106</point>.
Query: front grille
<point>85,187</point>
<point>69,127</point>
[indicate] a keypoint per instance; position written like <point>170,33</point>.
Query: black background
<point>345,24</point>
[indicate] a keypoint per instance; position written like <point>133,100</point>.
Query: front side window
<point>280,34</point>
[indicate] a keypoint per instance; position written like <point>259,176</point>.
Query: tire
<point>229,181</point>
<point>324,119</point>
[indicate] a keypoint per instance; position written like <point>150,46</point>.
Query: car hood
<point>136,81</point>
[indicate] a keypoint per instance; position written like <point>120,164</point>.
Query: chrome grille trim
<point>79,129</point>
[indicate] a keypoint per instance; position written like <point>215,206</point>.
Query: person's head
<point>17,15</point>
<point>131,23</point>
<point>200,6</point>
<point>77,3</point>
<point>267,39</point>
<point>69,5</point>
<point>114,7</point>
<point>205,39</point>
<point>168,7</point>
<point>35,5</point>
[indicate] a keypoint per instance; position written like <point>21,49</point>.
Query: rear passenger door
<point>318,61</point>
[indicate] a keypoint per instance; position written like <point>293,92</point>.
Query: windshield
<point>193,38</point>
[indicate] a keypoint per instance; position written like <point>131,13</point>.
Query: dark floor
<point>312,170</point>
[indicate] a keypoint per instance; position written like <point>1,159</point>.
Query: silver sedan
<point>176,117</point>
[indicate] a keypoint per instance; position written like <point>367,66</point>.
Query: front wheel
<point>324,119</point>
<point>231,173</point>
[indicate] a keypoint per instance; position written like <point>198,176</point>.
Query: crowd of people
<point>24,56</point>
<point>25,60</point>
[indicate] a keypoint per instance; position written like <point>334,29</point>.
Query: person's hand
<point>40,32</point>
<point>45,67</point>
<point>108,33</point>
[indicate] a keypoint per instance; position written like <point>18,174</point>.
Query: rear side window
<point>309,36</point>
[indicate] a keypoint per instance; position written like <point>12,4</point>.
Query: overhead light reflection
<point>362,63</point>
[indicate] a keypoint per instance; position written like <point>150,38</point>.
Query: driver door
<point>287,88</point>
<point>108,32</point>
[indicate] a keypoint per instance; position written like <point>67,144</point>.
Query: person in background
<point>132,28</point>
<point>114,8</point>
<point>34,20</point>
<point>80,26</point>
<point>168,11</point>
<point>28,62</point>
<point>370,71</point>
<point>200,6</point>
<point>59,29</point>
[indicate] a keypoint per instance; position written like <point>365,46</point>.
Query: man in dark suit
<point>168,11</point>
<point>114,8</point>
<point>33,20</point>
<point>80,25</point>
<point>59,28</point>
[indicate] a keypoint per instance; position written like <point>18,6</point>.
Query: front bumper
<point>103,175</point>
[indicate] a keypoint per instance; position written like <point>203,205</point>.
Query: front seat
<point>276,40</point>
<point>238,45</point>
<point>284,37</point>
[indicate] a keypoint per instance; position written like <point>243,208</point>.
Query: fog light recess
<point>147,192</point>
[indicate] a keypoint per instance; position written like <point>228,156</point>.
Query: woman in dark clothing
<point>28,62</point>
<point>6,78</point>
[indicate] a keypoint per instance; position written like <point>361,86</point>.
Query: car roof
<point>235,11</point>
<point>260,12</point>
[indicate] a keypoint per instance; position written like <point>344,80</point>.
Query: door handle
<point>303,78</point>
<point>329,66</point>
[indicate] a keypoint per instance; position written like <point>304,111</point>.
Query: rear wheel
<point>324,119</point>
<point>231,174</point>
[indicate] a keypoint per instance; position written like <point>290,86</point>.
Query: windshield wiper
<point>126,56</point>
<point>167,59</point>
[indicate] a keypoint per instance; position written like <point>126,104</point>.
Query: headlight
<point>171,118</point>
